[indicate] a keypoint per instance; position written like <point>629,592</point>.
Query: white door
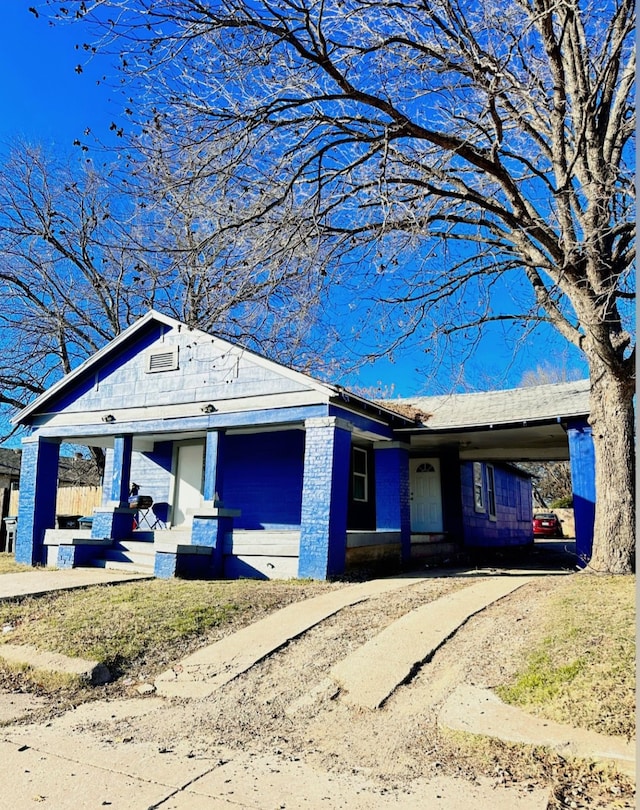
<point>426,495</point>
<point>188,483</point>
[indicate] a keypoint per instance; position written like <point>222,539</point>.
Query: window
<point>360,477</point>
<point>491,491</point>
<point>166,360</point>
<point>425,467</point>
<point>478,487</point>
<point>524,502</point>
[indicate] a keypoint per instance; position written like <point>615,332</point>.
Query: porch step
<point>436,552</point>
<point>128,555</point>
<point>115,565</point>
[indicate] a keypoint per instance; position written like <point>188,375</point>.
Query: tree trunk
<point>612,423</point>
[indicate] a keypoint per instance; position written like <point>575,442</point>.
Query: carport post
<point>583,481</point>
<point>393,492</point>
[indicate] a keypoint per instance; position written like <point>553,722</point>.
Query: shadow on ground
<point>542,555</point>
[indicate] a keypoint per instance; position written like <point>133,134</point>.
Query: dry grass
<point>146,623</point>
<point>8,565</point>
<point>581,670</point>
<point>573,783</point>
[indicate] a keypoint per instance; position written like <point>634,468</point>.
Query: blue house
<point>221,463</point>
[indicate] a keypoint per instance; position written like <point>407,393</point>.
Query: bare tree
<point>441,149</point>
<point>551,481</point>
<point>548,373</point>
<point>65,282</point>
<point>82,255</point>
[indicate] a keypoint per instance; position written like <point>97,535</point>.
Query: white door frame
<point>426,496</point>
<point>182,519</point>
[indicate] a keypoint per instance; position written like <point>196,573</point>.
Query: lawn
<point>8,564</point>
<point>144,625</point>
<point>581,669</point>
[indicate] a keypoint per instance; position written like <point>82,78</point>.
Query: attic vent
<point>166,360</point>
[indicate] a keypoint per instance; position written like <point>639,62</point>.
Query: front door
<point>188,482</point>
<point>426,496</point>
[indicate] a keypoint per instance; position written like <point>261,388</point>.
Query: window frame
<point>357,475</point>
<point>491,491</point>
<point>479,490</point>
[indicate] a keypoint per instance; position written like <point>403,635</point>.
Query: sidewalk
<point>46,580</point>
<point>87,776</point>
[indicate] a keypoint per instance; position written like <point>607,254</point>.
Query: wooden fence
<point>70,500</point>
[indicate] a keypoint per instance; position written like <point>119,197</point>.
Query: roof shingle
<point>534,404</point>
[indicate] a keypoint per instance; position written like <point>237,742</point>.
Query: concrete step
<point>128,555</point>
<point>122,552</point>
<point>135,546</point>
<point>120,565</point>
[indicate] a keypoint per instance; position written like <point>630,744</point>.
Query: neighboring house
<point>243,467</point>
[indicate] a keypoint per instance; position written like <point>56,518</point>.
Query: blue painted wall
<point>323,534</point>
<point>262,476</point>
<point>512,525</point>
<point>393,492</point>
<point>151,471</point>
<point>37,508</point>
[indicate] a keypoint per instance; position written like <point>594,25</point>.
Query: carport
<point>541,423</point>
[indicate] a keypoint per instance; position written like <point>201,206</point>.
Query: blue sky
<point>44,99</point>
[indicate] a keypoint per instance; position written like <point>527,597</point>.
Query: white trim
<point>359,475</point>
<point>166,412</point>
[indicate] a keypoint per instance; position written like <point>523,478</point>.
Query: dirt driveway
<point>279,735</point>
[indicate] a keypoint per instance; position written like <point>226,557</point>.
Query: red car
<point>546,524</point>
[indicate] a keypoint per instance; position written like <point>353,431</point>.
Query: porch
<point>165,553</point>
<point>291,488</point>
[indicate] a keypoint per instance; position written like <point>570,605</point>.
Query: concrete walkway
<point>480,711</point>
<point>406,643</point>
<point>46,580</point>
<point>208,669</point>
